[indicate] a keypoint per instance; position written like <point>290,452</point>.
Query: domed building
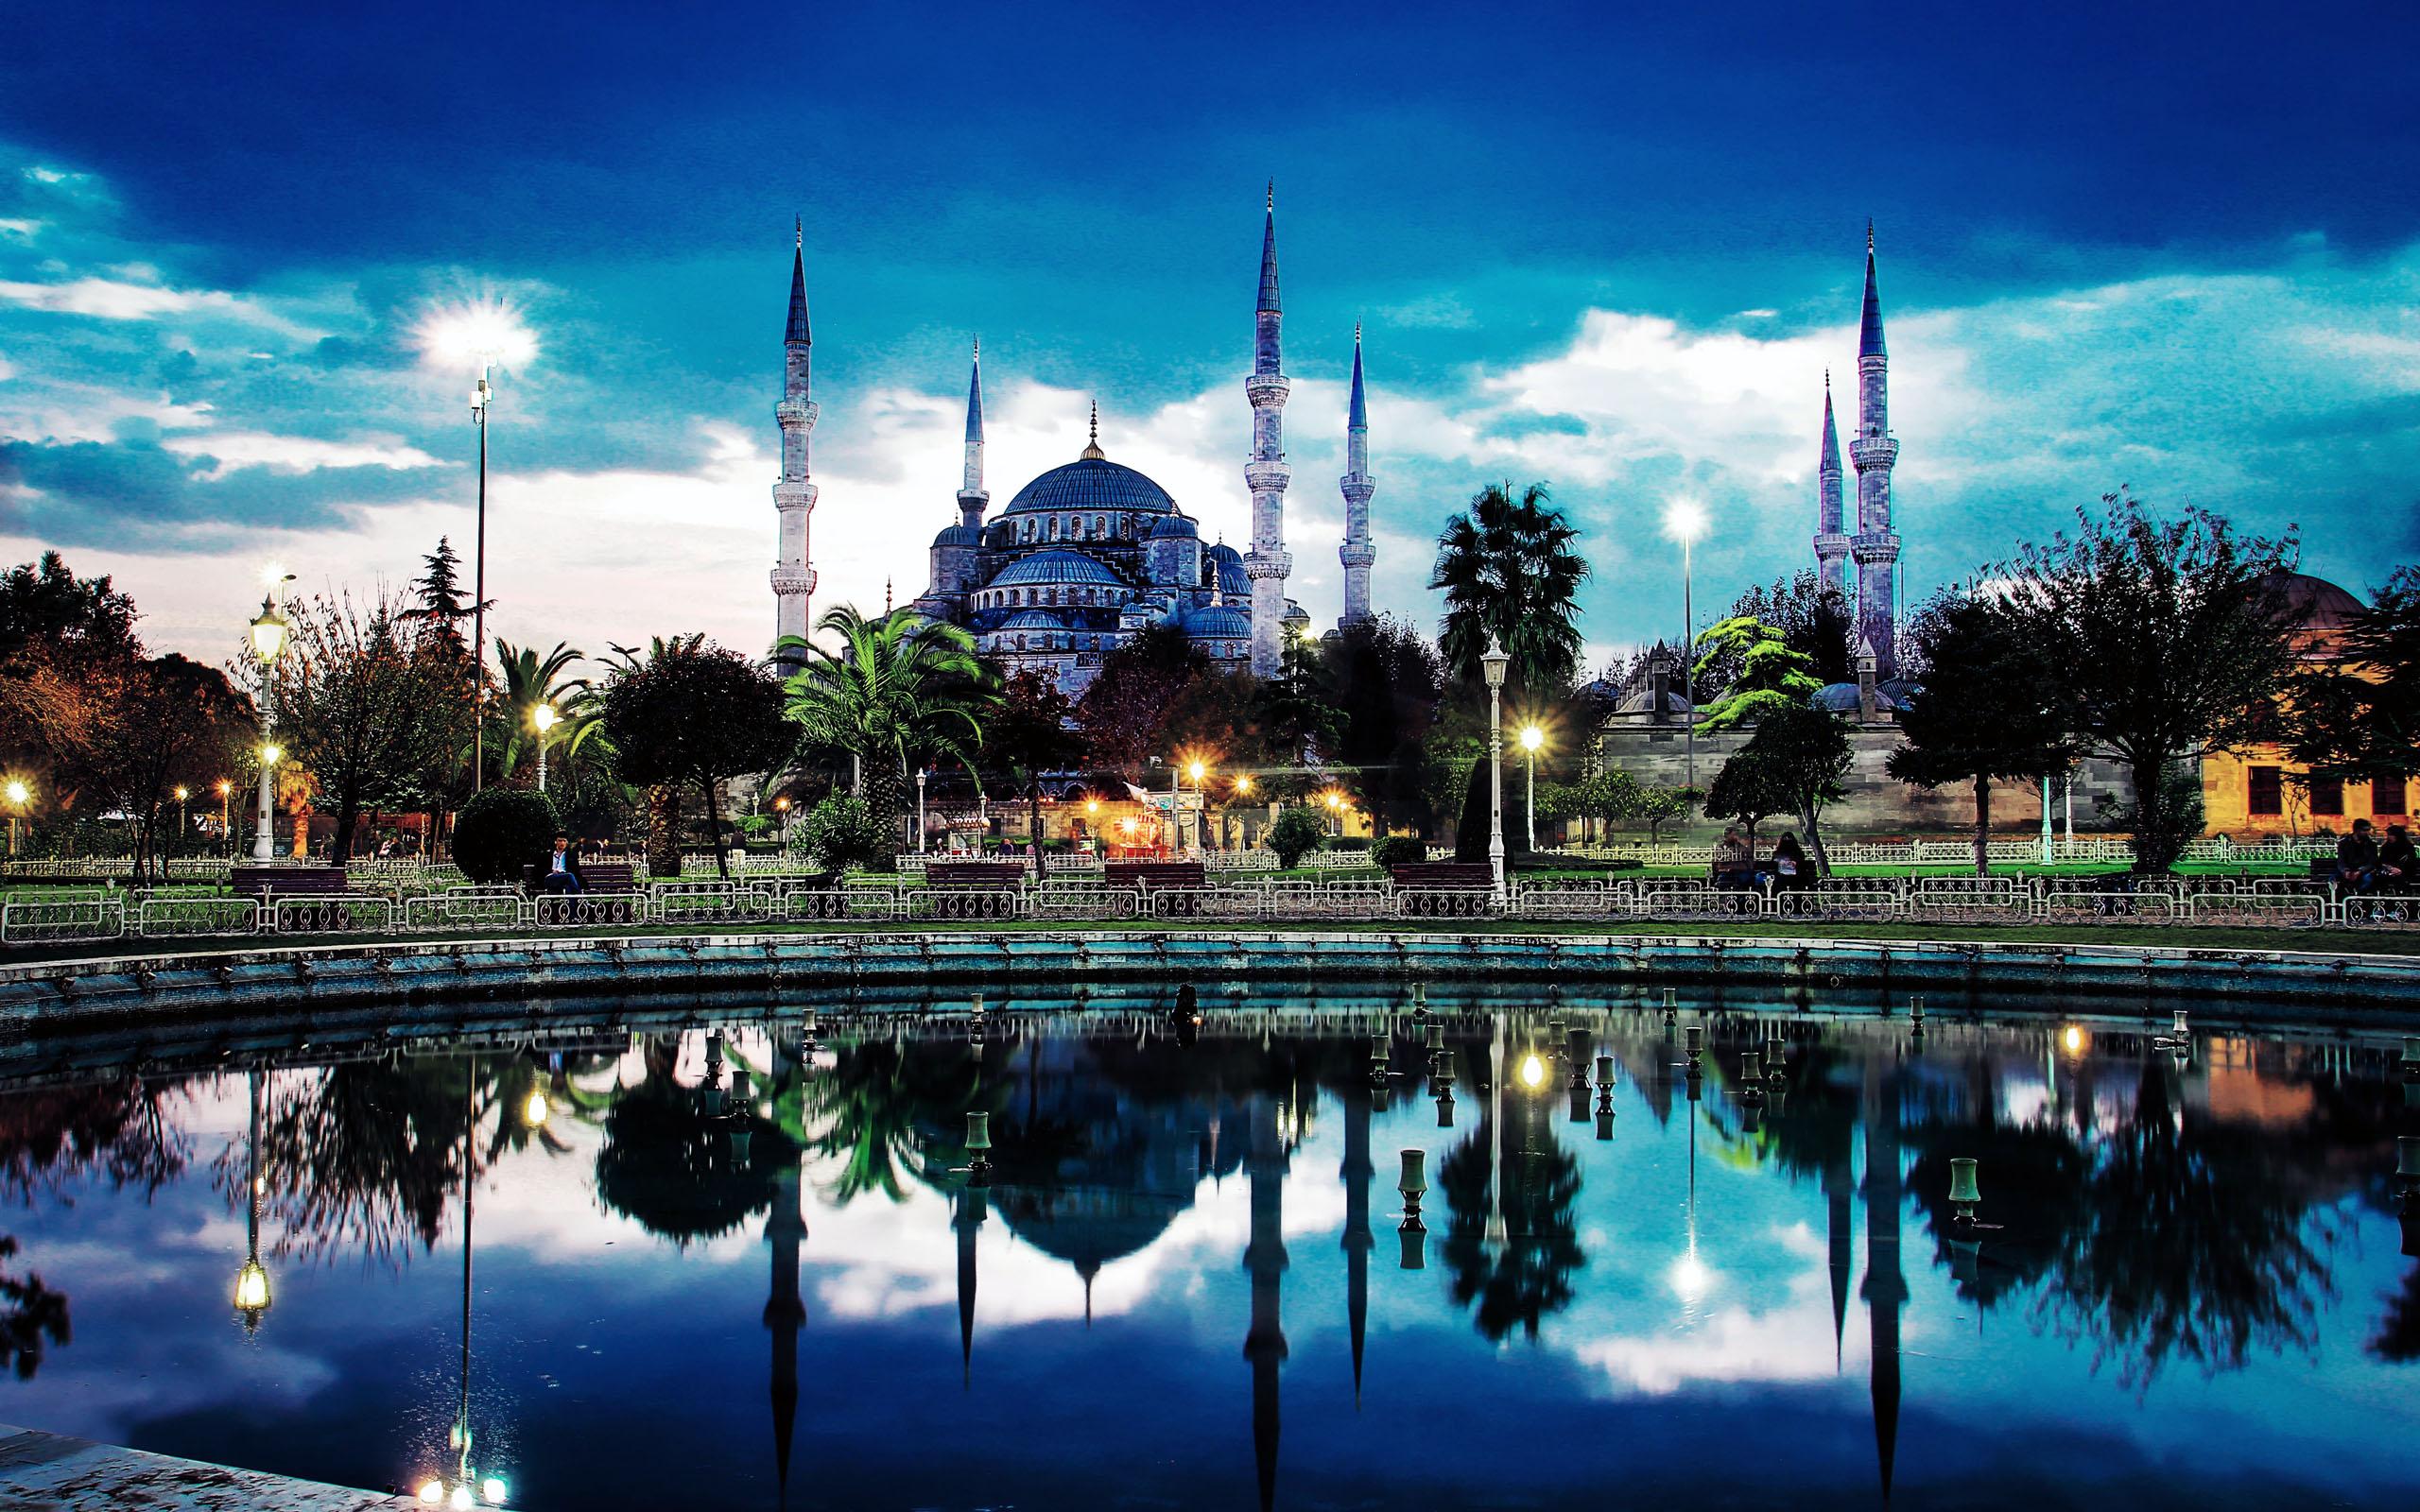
<point>1092,553</point>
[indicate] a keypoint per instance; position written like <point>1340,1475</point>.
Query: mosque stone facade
<point>1092,553</point>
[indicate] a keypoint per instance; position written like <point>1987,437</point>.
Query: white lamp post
<point>251,1280</point>
<point>269,640</point>
<point>1494,663</point>
<point>482,395</point>
<point>19,796</point>
<point>924,841</point>
<point>542,719</point>
<point>1531,738</point>
<point>1197,770</point>
<point>1685,521</point>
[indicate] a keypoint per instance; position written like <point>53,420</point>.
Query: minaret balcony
<point>1875,548</point>
<point>1267,477</point>
<point>794,495</point>
<point>1830,543</point>
<point>1259,564</point>
<point>1357,486</point>
<point>788,580</point>
<point>796,412</point>
<point>1357,554</point>
<point>1267,390</point>
<point>1869,452</point>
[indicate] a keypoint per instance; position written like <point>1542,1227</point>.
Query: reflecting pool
<point>735,1254</point>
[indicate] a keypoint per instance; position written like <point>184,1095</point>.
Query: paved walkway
<point>50,1472</point>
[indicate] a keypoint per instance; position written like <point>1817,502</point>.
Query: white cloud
<point>233,450</point>
<point>110,299</point>
<point>63,414</point>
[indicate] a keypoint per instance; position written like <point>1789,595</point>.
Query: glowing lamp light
<point>470,331</point>
<point>1533,1071</point>
<point>783,804</point>
<point>1336,800</point>
<point>225,788</point>
<point>1243,784</point>
<point>268,632</point>
<point>2072,1039</point>
<point>183,794</point>
<point>1092,805</point>
<point>1533,737</point>
<point>252,1288</point>
<point>270,755</point>
<point>432,1491</point>
<point>462,1500</point>
<point>1196,770</point>
<point>18,794</point>
<point>492,1490</point>
<point>534,1111</point>
<point>1685,520</point>
<point>543,717</point>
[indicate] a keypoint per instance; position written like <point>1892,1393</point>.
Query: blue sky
<point>2162,247</point>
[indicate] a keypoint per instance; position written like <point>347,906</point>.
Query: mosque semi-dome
<point>1091,483</point>
<point>1218,623</point>
<point>2313,603</point>
<point>1056,569</point>
<point>1032,619</point>
<point>1174,527</point>
<point>959,535</point>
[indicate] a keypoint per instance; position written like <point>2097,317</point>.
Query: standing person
<point>2357,859</point>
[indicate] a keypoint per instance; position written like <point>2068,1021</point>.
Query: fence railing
<point>99,915</point>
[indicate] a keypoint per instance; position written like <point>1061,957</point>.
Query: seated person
<point>1734,860</point>
<point>2357,859</point>
<point>1790,867</point>
<point>563,868</point>
<point>2398,867</point>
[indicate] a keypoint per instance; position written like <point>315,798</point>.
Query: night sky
<point>2170,247</point>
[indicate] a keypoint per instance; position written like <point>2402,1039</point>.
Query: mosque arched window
<point>1101,525</point>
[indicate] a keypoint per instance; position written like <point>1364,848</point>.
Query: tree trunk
<point>663,830</point>
<point>1033,826</point>
<point>1815,841</point>
<point>2154,850</point>
<point>1983,825</point>
<point>713,829</point>
<point>341,849</point>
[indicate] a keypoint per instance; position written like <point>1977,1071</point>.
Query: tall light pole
<point>1531,738</point>
<point>1494,663</point>
<point>1685,521</point>
<point>481,397</point>
<point>226,834</point>
<point>269,640</point>
<point>1197,770</point>
<point>542,719</point>
<point>924,842</point>
<point>19,794</point>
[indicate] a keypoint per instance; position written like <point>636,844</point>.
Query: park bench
<point>609,895</point>
<point>291,881</point>
<point>1146,876</point>
<point>972,889</point>
<point>1443,889</point>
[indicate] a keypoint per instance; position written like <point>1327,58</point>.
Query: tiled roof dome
<point>1091,483</point>
<point>1056,568</point>
<point>1033,619</point>
<point>1173,527</point>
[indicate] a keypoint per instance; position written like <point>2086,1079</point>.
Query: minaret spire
<point>1357,1172</point>
<point>1092,447</point>
<point>972,498</point>
<point>1357,551</point>
<point>794,495</point>
<point>1267,563</point>
<point>1875,545</point>
<point>1831,529</point>
<point>1265,1261</point>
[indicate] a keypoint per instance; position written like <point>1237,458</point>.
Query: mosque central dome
<point>1088,484</point>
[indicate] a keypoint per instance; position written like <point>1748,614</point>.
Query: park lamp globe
<point>543,717</point>
<point>251,1291</point>
<point>1531,738</point>
<point>1685,520</point>
<point>1493,662</point>
<point>268,630</point>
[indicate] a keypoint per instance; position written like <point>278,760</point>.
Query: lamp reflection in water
<point>1690,1277</point>
<point>251,1282</point>
<point>461,1486</point>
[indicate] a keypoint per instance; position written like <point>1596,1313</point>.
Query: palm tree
<point>1510,572</point>
<point>530,679</point>
<point>901,691</point>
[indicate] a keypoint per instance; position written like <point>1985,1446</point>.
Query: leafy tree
<point>1815,620</point>
<point>1299,831</point>
<point>1989,707</point>
<point>501,831</point>
<point>59,635</point>
<point>1750,788</point>
<point>1296,710</point>
<point>1806,754</point>
<point>1510,570</point>
<point>1386,681</point>
<point>900,692</point>
<point>696,712</point>
<point>1617,798</point>
<point>1029,735</point>
<point>842,834</point>
<point>2359,718</point>
<point>1123,714</point>
<point>355,706</point>
<point>1768,675</point>
<point>2171,638</point>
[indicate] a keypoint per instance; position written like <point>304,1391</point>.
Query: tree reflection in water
<point>683,1164</point>
<point>359,1156</point>
<point>1528,1277</point>
<point>885,1104</point>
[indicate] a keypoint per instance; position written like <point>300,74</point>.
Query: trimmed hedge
<point>501,831</point>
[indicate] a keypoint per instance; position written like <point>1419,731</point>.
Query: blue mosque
<point>1092,553</point>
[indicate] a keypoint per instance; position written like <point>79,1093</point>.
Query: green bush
<point>501,831</point>
<point>842,833</point>
<point>1297,832</point>
<point>1399,850</point>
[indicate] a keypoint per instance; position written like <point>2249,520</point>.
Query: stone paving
<point>51,1473</point>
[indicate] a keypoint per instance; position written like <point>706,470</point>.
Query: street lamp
<point>1685,521</point>
<point>1494,664</point>
<point>184,815</point>
<point>269,640</point>
<point>1531,738</point>
<point>226,835</point>
<point>924,841</point>
<point>251,1280</point>
<point>19,794</point>
<point>1197,770</point>
<point>482,395</point>
<point>542,719</point>
<point>781,823</point>
<point>1335,801</point>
